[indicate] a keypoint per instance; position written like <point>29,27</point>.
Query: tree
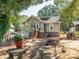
<point>17,21</point>
<point>62,3</point>
<point>8,8</point>
<point>36,2</point>
<point>68,14</point>
<point>48,10</point>
<point>11,7</point>
<point>4,21</point>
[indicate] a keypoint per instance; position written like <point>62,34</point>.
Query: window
<point>33,26</point>
<point>37,26</point>
<point>51,27</point>
<point>77,27</point>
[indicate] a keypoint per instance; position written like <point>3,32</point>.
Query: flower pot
<point>19,44</point>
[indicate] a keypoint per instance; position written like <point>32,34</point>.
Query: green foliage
<point>13,5</point>
<point>62,3</point>
<point>18,37</point>
<point>8,8</point>
<point>4,24</point>
<point>68,14</point>
<point>57,2</point>
<point>17,21</point>
<point>36,2</point>
<point>48,10</point>
<point>12,8</point>
<point>62,32</point>
<point>77,33</point>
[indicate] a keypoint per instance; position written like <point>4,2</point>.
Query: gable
<point>33,19</point>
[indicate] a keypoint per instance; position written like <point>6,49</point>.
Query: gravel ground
<point>70,47</point>
<point>4,56</point>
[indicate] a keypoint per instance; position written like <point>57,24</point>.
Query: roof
<point>53,19</point>
<point>44,18</point>
<point>31,17</point>
<point>75,22</point>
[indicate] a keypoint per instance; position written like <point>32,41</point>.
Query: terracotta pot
<point>20,44</point>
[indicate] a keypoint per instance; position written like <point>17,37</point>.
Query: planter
<point>19,44</point>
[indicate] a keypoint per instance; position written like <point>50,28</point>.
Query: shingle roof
<point>52,19</point>
<point>75,22</point>
<point>31,17</point>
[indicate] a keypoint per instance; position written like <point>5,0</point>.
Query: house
<point>76,25</point>
<point>52,24</point>
<point>35,24</point>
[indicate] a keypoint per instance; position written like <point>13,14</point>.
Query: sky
<point>33,10</point>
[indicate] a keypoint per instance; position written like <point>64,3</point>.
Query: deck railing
<point>46,34</point>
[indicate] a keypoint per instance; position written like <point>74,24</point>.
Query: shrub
<point>18,37</point>
<point>77,33</point>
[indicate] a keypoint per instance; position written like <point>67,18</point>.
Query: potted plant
<point>19,41</point>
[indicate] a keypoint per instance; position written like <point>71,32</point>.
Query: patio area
<point>65,49</point>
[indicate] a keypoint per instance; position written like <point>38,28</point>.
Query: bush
<point>77,33</point>
<point>18,37</point>
<point>62,32</point>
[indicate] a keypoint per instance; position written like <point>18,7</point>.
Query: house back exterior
<point>49,26</point>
